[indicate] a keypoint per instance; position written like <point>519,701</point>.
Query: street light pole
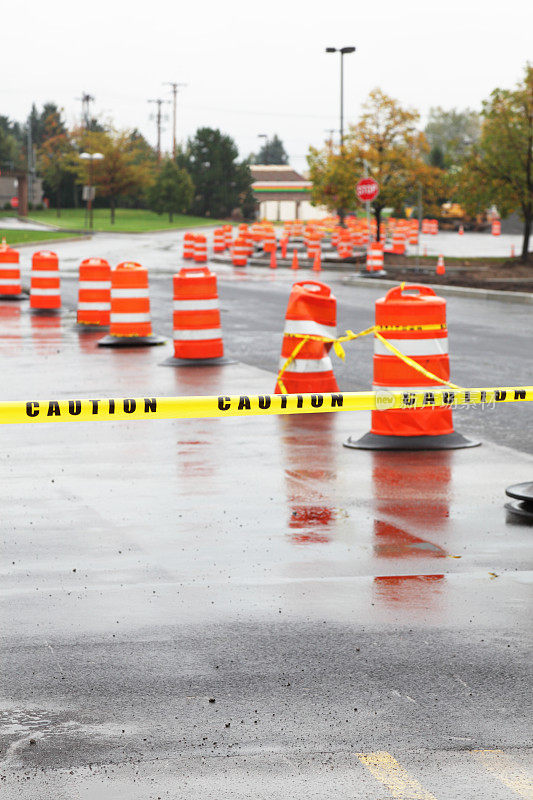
<point>343,51</point>
<point>90,157</point>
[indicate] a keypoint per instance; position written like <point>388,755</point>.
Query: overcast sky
<point>257,67</point>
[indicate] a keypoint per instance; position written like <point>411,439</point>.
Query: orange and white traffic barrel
<point>196,319</point>
<point>344,244</point>
<point>219,241</point>
<point>312,310</point>
<point>239,252</point>
<point>10,286</point>
<point>249,242</point>
<point>374,257</point>
<point>496,227</point>
<point>314,248</point>
<point>94,292</point>
<point>269,240</point>
<point>130,323</point>
<point>200,249</point>
<point>45,287</point>
<point>228,234</point>
<point>417,308</point>
<point>188,246</point>
<point>434,227</point>
<point>398,242</point>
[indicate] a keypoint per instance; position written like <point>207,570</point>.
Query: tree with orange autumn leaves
<point>385,145</point>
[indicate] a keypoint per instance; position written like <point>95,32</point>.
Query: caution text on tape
<point>147,408</point>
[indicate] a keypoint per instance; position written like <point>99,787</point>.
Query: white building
<point>282,194</point>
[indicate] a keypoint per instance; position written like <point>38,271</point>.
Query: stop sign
<point>367,190</point>
<point>14,202</point>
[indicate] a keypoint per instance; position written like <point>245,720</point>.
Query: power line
<point>248,112</point>
<point>175,87</point>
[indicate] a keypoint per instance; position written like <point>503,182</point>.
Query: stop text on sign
<point>367,190</point>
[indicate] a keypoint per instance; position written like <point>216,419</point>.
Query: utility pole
<point>159,103</point>
<point>175,87</point>
<point>86,100</point>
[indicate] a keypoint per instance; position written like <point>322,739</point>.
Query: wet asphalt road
<point>491,343</point>
<point>360,620</point>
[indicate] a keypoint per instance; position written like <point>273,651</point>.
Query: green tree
<point>46,123</point>
<point>385,145</point>
<point>499,169</point>
<point>10,146</point>
<point>172,191</point>
<point>57,164</point>
<point>272,152</point>
<point>222,184</point>
<point>450,135</point>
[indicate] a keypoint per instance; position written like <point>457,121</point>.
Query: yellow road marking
<point>507,771</point>
<point>386,769</point>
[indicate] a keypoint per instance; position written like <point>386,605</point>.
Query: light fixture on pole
<point>89,190</point>
<point>343,51</point>
<point>264,137</point>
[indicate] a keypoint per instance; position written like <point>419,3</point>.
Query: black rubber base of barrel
<point>521,491</point>
<point>130,341</point>
<point>522,511</point>
<point>365,274</point>
<point>14,297</point>
<point>373,441</point>
<point>46,312</point>
<point>197,362</point>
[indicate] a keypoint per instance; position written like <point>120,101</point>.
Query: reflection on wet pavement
<point>309,447</point>
<point>411,497</point>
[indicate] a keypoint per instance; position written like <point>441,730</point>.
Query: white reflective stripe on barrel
<point>93,306</point>
<point>94,284</point>
<point>413,347</point>
<point>128,294</point>
<point>8,267</point>
<point>307,327</point>
<point>196,305</point>
<point>307,365</point>
<point>44,273</point>
<point>118,316</point>
<point>197,335</point>
<point>44,292</point>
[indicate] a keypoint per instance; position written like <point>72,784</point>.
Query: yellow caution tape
<point>148,408</point>
<point>349,336</point>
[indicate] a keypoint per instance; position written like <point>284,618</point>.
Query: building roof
<point>278,182</point>
<point>278,173</point>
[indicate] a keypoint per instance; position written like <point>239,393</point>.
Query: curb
<point>52,241</point>
<point>449,291</point>
<point>85,232</point>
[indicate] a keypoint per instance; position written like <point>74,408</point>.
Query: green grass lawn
<point>127,220</point>
<point>14,237</point>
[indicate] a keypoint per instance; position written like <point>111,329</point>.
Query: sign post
<point>367,190</point>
